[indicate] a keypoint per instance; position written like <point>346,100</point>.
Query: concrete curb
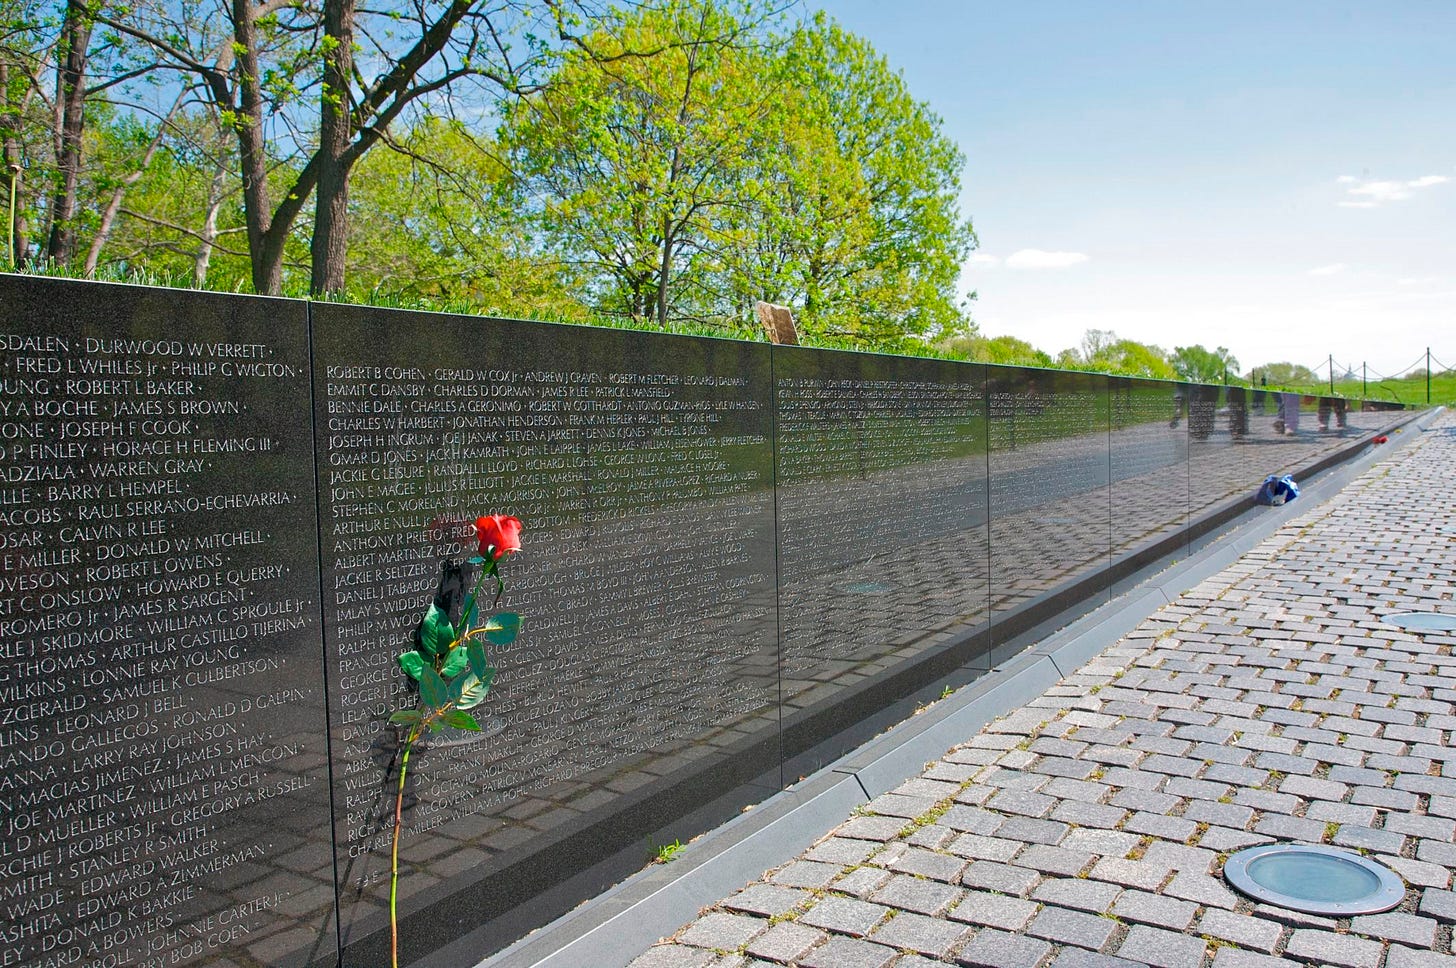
<point>614,928</point>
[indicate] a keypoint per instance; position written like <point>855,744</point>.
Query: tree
<point>1095,342</point>
<point>1130,358</point>
<point>1102,351</point>
<point>307,91</point>
<point>850,214</point>
<point>1282,374</point>
<point>627,160</point>
<point>436,219</point>
<point>1200,365</point>
<point>739,166</point>
<point>1005,350</point>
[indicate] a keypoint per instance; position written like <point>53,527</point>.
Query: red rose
<point>498,535</point>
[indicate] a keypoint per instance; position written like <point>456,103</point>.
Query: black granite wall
<point>222,515</point>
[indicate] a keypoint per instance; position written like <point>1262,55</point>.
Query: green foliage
<point>735,167</point>
<point>502,629</point>
<point>853,216</point>
<point>1200,365</point>
<point>437,222</point>
<point>1129,358</point>
<point>1103,352</point>
<point>666,853</point>
<point>1282,374</point>
<point>1005,350</point>
<point>437,634</point>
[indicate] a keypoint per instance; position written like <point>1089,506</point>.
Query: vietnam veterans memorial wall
<point>222,516</point>
<point>163,763</point>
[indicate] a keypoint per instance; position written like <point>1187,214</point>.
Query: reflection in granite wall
<point>172,790</point>
<point>1246,434</point>
<point>642,468</point>
<point>163,784</point>
<point>881,470</point>
<point>1050,510</point>
<point>1149,464</point>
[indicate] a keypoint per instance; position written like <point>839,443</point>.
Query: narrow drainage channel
<point>1314,879</point>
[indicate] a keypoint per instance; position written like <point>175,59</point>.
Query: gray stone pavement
<point>1089,827</point>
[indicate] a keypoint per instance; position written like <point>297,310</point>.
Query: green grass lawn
<point>1408,390</point>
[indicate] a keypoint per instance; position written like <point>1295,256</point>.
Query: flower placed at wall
<point>448,661</point>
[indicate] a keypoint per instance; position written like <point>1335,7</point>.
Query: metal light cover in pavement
<point>1422,621</point>
<point>1314,879</point>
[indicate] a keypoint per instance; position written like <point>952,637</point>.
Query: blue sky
<point>1277,178</point>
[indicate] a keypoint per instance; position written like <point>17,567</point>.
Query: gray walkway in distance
<point>1089,827</point>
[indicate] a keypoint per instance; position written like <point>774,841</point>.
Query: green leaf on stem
<point>406,717</point>
<point>461,720</point>
<point>474,689</point>
<point>436,632</point>
<point>502,629</point>
<point>455,662</point>
<point>412,663</point>
<point>479,665</point>
<point>433,689</point>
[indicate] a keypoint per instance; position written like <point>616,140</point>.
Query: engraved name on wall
<point>646,581</point>
<point>159,734</point>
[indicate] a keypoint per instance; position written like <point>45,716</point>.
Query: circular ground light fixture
<point>1422,621</point>
<point>1314,879</point>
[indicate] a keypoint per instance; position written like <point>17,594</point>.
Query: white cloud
<point>982,259</point>
<point>1370,194</point>
<point>1329,270</point>
<point>1041,259</point>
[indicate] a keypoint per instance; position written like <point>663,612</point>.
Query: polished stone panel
<point>1240,435</point>
<point>645,680</point>
<point>881,519</point>
<point>162,751</point>
<point>732,553</point>
<point>1149,445</point>
<point>1050,495</point>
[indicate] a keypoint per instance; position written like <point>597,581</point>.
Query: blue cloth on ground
<point>1277,490</point>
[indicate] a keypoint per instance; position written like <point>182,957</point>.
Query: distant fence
<point>224,513</point>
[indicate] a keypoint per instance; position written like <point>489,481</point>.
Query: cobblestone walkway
<point>1089,828</point>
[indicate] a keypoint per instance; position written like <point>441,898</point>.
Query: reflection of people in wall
<point>1238,412</point>
<point>1202,405</point>
<point>1287,423</point>
<point>1328,405</point>
<point>1259,394</point>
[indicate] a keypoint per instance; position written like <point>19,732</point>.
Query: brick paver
<point>1090,826</point>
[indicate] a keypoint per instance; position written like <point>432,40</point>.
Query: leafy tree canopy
<point>1202,365</point>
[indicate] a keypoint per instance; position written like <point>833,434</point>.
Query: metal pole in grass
<point>1332,374</point>
<point>1364,379</point>
<point>1428,376</point>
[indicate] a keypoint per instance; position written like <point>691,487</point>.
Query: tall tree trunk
<point>264,246</point>
<point>71,98</point>
<point>664,270</point>
<point>203,259</point>
<point>331,199</point>
<point>12,171</point>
